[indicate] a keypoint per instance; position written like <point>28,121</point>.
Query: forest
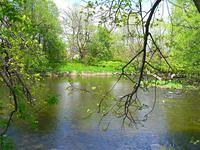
<point>112,53</point>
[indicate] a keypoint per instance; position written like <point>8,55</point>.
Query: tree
<point>186,38</point>
<point>16,52</point>
<point>99,46</point>
<point>197,4</point>
<point>29,40</point>
<point>46,27</point>
<point>78,30</point>
<point>119,12</point>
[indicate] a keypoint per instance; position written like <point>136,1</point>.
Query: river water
<point>72,124</point>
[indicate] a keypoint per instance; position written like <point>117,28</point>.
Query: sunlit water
<point>72,124</point>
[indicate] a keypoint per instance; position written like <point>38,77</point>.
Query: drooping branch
<point>11,75</point>
<point>12,79</point>
<point>131,99</point>
<point>15,102</point>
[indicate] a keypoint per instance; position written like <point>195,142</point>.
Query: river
<point>72,124</point>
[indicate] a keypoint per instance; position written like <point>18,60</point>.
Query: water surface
<point>73,124</point>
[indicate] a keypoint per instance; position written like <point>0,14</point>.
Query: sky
<point>163,13</point>
<point>63,4</point>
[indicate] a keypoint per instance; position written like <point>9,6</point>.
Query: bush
<point>111,64</point>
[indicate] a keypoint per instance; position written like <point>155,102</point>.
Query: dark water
<point>72,124</point>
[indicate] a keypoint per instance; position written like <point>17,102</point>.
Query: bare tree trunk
<point>197,4</point>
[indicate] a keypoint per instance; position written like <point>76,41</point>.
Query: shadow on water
<point>174,124</point>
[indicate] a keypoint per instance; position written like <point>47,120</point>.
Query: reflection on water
<point>175,122</point>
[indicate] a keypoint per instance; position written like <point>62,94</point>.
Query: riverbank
<point>101,67</point>
<point>107,69</point>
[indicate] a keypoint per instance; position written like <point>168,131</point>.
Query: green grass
<point>79,67</point>
<point>112,67</point>
<point>99,67</point>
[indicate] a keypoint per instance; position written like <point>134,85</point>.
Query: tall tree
<point>78,30</point>
<point>185,48</point>
<point>46,27</point>
<point>29,39</point>
<point>99,46</point>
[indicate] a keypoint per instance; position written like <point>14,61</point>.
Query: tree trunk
<point>197,4</point>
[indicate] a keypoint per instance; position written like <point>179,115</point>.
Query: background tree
<point>46,27</point>
<point>99,46</point>
<point>185,46</point>
<point>78,29</point>
<point>29,40</point>
<point>121,13</point>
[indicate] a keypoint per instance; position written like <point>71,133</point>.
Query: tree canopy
<point>30,40</point>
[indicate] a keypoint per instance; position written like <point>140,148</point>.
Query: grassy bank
<point>110,67</point>
<point>101,67</point>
